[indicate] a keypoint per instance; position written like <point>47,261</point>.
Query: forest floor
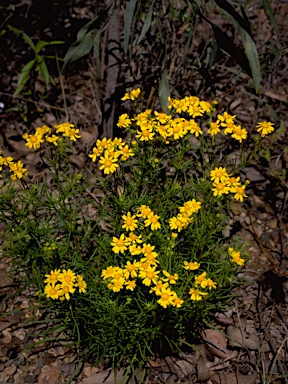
<point>250,341</point>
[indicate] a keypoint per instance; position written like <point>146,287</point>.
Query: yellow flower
<point>177,302</point>
<point>108,164</point>
<point>53,139</point>
<point>236,257</point>
<point>195,128</point>
<point>33,141</point>
<point>133,238</point>
<point>176,129</point>
<point>66,290</point>
<point>201,280</point>
<point>64,127</point>
<point>96,152</point>
<point>177,222</point>
<point>18,170</point>
<point>239,133</point>
<point>130,269</point>
<point>195,110</point>
<point>152,220</point>
<point>42,130</point>
<point>109,272</point>
<point>171,279</point>
<point>239,192</point>
<point>219,175</point>
<point>132,95</point>
<point>196,295</point>
<point>214,129</point>
<point>52,277</point>
<point>162,117</point>
<point>167,297</point>
<point>130,222</point>
<point>130,285</point>
<point>126,152</point>
<point>72,133</point>
<point>158,286</point>
<point>190,207</point>
<point>144,211</point>
<point>191,266</point>
<point>124,121</point>
<point>119,245</point>
<point>52,291</point>
<point>117,285</point>
<point>67,277</point>
<point>211,284</point>
<point>265,127</point>
<point>104,144</point>
<point>220,189</point>
<point>81,284</point>
<point>149,275</point>
<point>145,134</point>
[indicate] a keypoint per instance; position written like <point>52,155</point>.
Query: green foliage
<point>38,64</point>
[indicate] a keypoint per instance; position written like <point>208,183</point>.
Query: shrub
<point>132,262</point>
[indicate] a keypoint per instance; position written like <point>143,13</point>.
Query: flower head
<point>265,128</point>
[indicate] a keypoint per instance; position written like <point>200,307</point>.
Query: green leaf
<point>2,32</point>
<point>146,24</point>
<point>42,44</point>
<point>96,52</point>
<point>25,37</point>
<point>252,55</point>
<point>164,92</point>
<point>267,8</point>
<point>78,50</point>
<point>24,76</point>
<point>130,8</point>
<point>43,69</point>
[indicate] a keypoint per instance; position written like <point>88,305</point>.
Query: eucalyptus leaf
<point>42,44</point>
<point>129,12</point>
<point>24,76</point>
<point>146,24</point>
<point>96,52</point>
<point>267,8</point>
<point>78,50</point>
<point>164,92</point>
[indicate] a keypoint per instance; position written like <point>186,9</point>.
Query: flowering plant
<point>143,241</point>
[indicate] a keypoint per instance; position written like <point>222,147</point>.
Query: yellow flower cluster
<point>112,151</point>
<point>132,95</point>
<point>45,133</point>
<point>236,256</point>
<point>16,168</point>
<point>224,183</point>
<point>145,268</point>
<point>183,219</point>
<point>61,284</point>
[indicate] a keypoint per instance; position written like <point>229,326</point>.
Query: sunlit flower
<point>145,134</point>
<point>167,297</point>
<point>177,302</point>
<point>219,175</point>
<point>265,128</point>
<point>191,266</point>
<point>144,211</point>
<point>53,139</point>
<point>220,189</point>
<point>52,277</point>
<point>33,141</point>
<point>130,222</point>
<point>214,128</point>
<point>171,279</point>
<point>119,245</point>
<point>149,275</point>
<point>201,280</point>
<point>53,291</point>
<point>81,284</point>
<point>196,295</point>
<point>239,192</point>
<point>67,277</point>
<point>130,285</point>
<point>124,121</point>
<point>130,269</point>
<point>66,290</point>
<point>132,95</point>
<point>96,153</point>
<point>152,220</point>
<point>239,133</point>
<point>108,164</point>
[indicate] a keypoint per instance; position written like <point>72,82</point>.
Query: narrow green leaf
<point>82,31</point>
<point>24,76</point>
<point>164,92</point>
<point>2,32</point>
<point>146,24</point>
<point>267,8</point>
<point>252,55</point>
<point>25,37</point>
<point>42,44</point>
<point>130,8</point>
<point>189,40</point>
<point>76,51</point>
<point>96,52</point>
<point>43,69</point>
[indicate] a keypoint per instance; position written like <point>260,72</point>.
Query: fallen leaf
<point>216,342</point>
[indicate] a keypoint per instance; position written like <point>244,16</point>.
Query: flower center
<point>150,275</point>
<point>65,289</point>
<point>145,133</point>
<point>53,291</point>
<point>53,277</point>
<point>33,139</point>
<point>108,163</point>
<point>120,243</point>
<point>220,187</point>
<point>238,132</point>
<point>164,296</point>
<point>219,173</point>
<point>128,222</point>
<point>240,190</point>
<point>67,278</point>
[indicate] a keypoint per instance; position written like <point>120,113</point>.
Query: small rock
<point>7,373</point>
<point>20,334</point>
<point>49,374</point>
